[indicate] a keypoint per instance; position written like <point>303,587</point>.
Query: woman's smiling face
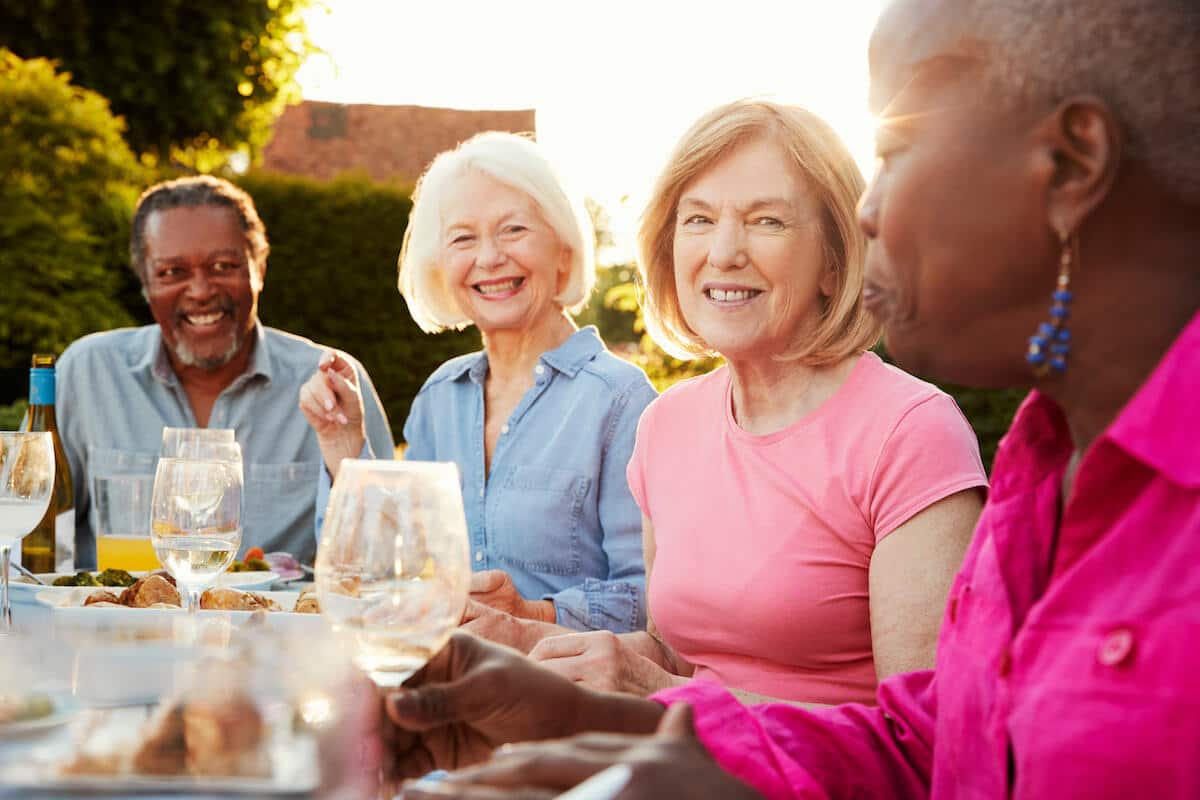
<point>749,254</point>
<point>502,262</point>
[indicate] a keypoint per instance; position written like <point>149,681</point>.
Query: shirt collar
<point>1159,425</point>
<point>154,358</point>
<point>568,358</point>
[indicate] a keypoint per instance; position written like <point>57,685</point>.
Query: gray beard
<point>190,359</point>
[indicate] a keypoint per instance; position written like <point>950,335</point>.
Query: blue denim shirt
<point>555,512</point>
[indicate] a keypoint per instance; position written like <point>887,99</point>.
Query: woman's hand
<point>494,587</point>
<point>332,404</point>
<point>671,763</point>
<point>600,660</point>
<point>474,696</point>
<point>497,626</point>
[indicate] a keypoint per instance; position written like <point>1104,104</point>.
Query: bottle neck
<point>41,387</point>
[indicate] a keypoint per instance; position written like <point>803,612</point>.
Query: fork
<point>29,574</point>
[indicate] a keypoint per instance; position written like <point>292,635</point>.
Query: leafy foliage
<point>68,192</point>
<point>194,81</point>
<point>332,278</point>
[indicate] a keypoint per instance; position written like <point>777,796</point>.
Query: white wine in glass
<point>393,571</point>
<point>196,519</point>
<point>26,486</point>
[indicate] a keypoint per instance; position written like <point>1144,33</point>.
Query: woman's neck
<point>770,395</point>
<point>512,354</point>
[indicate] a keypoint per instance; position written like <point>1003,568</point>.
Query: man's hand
<point>332,403</point>
<point>600,660</point>
<point>671,763</point>
<point>497,626</point>
<point>494,587</point>
<point>474,696</point>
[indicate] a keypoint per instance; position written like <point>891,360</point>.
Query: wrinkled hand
<point>332,403</point>
<point>470,698</point>
<point>494,587</point>
<point>497,626</point>
<point>671,763</point>
<point>600,660</point>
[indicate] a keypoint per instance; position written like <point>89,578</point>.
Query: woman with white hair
<point>541,422</point>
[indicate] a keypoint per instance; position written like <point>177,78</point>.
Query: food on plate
<point>219,735</point>
<point>148,590</point>
<point>250,565</point>
<point>103,596</point>
<point>224,736</point>
<point>235,600</point>
<point>307,603</point>
<point>254,552</point>
<point>109,577</point>
<point>24,707</point>
<point>284,565</point>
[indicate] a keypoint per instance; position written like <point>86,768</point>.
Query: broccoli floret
<point>115,577</point>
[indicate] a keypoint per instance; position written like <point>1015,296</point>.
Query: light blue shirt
<point>555,512</point>
<point>116,391</point>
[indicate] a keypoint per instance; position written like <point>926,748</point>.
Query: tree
<point>68,191</point>
<point>193,81</point>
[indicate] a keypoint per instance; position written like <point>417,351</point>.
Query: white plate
<point>64,707</point>
<point>234,580</point>
<point>294,770</point>
<point>65,599</point>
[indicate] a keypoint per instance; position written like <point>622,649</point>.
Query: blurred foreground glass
<point>196,517</point>
<point>26,484</point>
<point>193,442</point>
<point>123,522</point>
<point>393,568</point>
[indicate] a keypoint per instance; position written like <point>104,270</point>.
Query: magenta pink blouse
<point>1069,658</point>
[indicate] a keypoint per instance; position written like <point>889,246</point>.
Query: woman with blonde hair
<point>805,506</point>
<point>541,422</point>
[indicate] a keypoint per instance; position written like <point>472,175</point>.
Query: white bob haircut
<point>515,161</point>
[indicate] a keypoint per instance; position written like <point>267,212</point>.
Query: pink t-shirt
<point>764,543</point>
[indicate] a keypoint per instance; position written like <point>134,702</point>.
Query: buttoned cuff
<point>600,605</point>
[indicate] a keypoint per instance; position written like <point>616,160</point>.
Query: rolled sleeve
<point>601,605</point>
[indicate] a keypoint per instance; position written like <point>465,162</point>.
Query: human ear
<point>1083,143</point>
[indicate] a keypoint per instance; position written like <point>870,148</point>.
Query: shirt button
<point>539,370</point>
<point>1115,647</point>
<point>1005,663</point>
<point>481,492</point>
<point>478,555</point>
<point>504,428</point>
<point>953,610</point>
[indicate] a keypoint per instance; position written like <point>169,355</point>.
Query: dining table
<point>67,663</point>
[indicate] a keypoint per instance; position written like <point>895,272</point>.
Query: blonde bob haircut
<point>832,176</point>
<point>515,161</point>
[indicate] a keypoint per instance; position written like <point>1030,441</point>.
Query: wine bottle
<point>50,547</point>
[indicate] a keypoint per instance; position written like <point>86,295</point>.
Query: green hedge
<point>332,277</point>
<point>67,187</point>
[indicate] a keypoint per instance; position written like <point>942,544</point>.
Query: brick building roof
<point>389,143</point>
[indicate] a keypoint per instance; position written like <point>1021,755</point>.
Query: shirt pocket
<point>536,519</point>
<point>274,495</point>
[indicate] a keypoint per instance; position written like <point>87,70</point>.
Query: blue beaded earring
<point>1049,348</point>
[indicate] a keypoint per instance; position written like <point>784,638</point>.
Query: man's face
<point>200,283</point>
<point>956,215</point>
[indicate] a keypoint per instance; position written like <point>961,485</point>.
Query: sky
<point>614,83</point>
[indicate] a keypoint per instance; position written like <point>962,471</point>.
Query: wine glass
<point>26,486</point>
<point>393,568</point>
<point>196,517</point>
<point>193,442</point>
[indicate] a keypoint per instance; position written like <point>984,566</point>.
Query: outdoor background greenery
<point>71,178</point>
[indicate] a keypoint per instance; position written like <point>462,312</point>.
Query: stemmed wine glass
<point>26,486</point>
<point>196,516</point>
<point>393,568</point>
<point>193,442</point>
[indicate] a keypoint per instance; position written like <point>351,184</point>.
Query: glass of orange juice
<point>123,522</point>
